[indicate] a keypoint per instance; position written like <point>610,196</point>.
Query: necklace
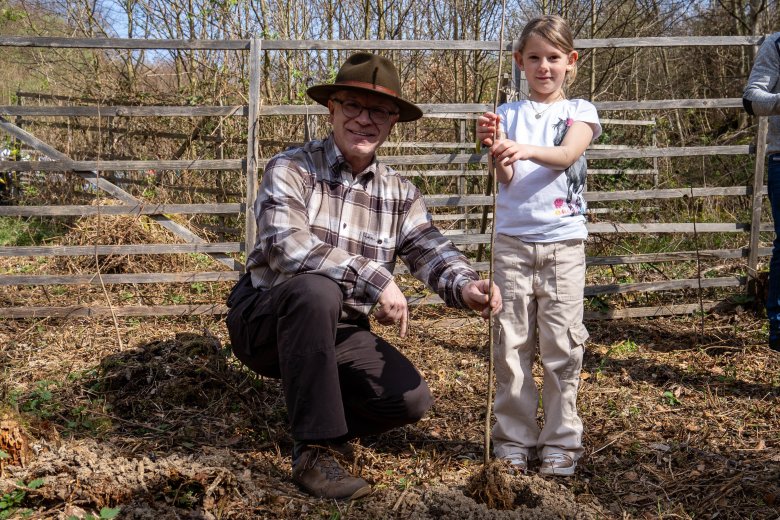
<point>539,114</point>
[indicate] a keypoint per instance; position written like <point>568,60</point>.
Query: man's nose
<point>364,117</point>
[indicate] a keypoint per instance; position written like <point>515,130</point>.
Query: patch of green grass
<point>16,231</point>
<point>47,400</point>
<point>80,418</point>
<point>626,346</point>
<point>177,299</point>
<point>670,399</point>
<point>202,260</point>
<point>596,303</point>
<point>40,401</point>
<point>58,290</point>
<point>729,374</point>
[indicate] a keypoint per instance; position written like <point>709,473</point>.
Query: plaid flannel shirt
<point>315,216</point>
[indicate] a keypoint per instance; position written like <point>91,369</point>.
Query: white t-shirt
<point>540,204</point>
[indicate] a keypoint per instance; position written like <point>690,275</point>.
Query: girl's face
<point>545,67</point>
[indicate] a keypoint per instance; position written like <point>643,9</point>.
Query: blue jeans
<point>773,295</point>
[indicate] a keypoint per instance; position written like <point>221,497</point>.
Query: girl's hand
<point>505,152</point>
<point>487,124</point>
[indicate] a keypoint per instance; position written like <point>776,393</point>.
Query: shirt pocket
<point>378,247</point>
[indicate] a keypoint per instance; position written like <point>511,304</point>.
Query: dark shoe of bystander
<point>318,473</point>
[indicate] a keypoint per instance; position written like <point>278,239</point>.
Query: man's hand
<point>392,308</point>
<point>475,294</point>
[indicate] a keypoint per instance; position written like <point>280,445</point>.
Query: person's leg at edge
<point>307,309</point>
<point>773,293</point>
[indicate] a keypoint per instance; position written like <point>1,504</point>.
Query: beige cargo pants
<point>542,288</point>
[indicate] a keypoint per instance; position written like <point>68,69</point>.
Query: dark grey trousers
<point>340,380</point>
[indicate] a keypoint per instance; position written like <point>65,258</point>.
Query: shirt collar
<point>338,164</point>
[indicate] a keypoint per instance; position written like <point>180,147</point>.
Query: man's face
<point>359,134</point>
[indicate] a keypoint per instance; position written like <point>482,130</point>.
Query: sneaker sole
<point>557,472</point>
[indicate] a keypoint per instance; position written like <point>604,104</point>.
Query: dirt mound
<point>534,499</point>
<point>190,389</point>
<point>95,475</point>
<point>187,370</point>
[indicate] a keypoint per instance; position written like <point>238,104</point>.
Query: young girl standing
<point>540,252</point>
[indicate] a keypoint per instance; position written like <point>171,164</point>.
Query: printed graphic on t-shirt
<point>575,176</point>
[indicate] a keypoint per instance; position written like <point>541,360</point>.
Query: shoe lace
<point>329,466</point>
<point>557,458</point>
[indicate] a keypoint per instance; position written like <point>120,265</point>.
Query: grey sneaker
<point>557,464</point>
<point>518,462</point>
<point>318,473</point>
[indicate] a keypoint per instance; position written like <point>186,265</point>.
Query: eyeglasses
<point>353,109</point>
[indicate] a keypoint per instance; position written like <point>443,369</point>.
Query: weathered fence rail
<point>377,45</point>
<point>454,164</point>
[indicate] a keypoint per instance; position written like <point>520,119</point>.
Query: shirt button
<point>344,225</point>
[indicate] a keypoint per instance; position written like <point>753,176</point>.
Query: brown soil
<point>681,421</point>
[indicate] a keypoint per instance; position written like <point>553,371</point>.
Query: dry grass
<point>678,425</point>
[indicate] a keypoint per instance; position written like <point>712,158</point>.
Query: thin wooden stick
<point>492,175</point>
<point>695,204</point>
<point>97,257</point>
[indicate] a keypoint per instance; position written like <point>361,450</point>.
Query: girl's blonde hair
<point>555,30</point>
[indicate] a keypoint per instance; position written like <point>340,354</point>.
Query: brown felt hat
<point>371,73</point>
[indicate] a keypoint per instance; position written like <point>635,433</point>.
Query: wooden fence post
<point>758,197</point>
<point>252,143</point>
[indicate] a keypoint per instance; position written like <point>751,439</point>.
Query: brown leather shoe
<point>318,473</point>
<point>344,450</point>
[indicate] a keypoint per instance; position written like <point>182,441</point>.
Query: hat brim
<point>406,111</point>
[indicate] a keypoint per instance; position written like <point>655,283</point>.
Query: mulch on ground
<point>681,421</point>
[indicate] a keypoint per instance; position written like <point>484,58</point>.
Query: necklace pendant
<point>538,116</point>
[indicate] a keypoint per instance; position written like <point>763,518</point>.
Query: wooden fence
<point>432,165</point>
